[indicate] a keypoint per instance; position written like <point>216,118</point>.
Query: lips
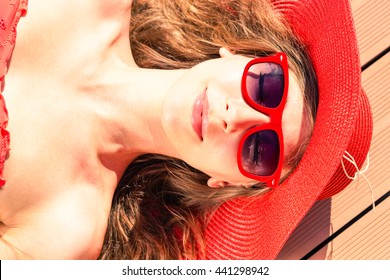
<point>199,115</point>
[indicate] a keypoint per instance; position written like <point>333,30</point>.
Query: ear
<point>216,184</point>
<point>225,52</point>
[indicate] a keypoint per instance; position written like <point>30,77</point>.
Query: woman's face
<point>205,117</point>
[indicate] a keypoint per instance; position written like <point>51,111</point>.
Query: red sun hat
<point>257,228</point>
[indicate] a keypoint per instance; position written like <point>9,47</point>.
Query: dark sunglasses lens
<point>265,84</point>
<point>261,153</point>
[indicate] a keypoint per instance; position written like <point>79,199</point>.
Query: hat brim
<point>248,228</point>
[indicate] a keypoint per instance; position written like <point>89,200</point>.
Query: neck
<point>133,99</point>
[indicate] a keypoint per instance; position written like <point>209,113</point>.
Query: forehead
<point>294,123</point>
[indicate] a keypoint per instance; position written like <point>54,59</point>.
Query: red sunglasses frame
<point>275,115</point>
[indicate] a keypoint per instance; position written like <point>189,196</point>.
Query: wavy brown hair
<point>162,205</point>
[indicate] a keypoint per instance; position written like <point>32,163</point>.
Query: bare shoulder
<point>69,34</point>
<point>67,228</point>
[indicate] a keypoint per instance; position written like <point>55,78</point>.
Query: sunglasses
<point>264,87</point>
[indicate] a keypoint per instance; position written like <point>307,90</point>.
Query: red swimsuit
<point>10,13</point>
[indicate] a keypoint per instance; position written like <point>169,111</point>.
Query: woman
<point>157,182</point>
<point>104,112</point>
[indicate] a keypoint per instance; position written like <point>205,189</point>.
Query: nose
<point>240,116</point>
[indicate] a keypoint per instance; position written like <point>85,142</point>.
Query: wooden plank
<point>377,85</point>
<point>358,196</point>
<point>372,23</point>
<point>367,239</point>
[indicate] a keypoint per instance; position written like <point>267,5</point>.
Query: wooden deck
<point>345,226</point>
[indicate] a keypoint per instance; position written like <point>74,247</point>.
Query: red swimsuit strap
<point>10,13</point>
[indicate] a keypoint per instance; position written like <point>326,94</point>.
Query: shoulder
<point>67,228</point>
<point>70,35</point>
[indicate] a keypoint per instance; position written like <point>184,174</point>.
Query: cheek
<point>219,161</point>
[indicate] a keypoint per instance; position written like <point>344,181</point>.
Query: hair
<point>161,206</point>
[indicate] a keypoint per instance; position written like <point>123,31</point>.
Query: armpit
<point>8,251</point>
